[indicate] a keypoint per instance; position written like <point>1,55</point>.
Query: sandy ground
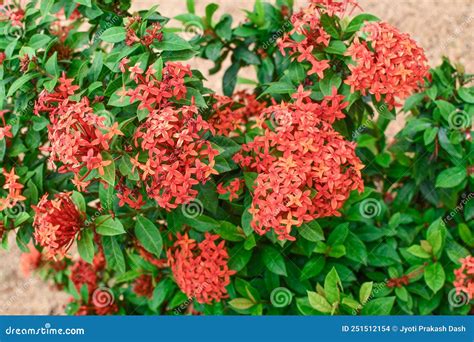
<point>442,27</point>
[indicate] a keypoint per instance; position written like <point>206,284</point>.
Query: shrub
<point>287,198</point>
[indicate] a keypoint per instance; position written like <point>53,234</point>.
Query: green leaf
<point>451,177</point>
<point>241,303</point>
<point>113,253</point>
<point>332,286</point>
<point>358,21</point>
<point>280,88</point>
<point>20,82</point>
<point>172,42</point>
<point>148,235</point>
<point>106,225</point>
<point>313,267</point>
<point>419,252</point>
<point>435,276</point>
<point>274,261</point>
<point>79,201</point>
<point>109,170</point>
<point>311,231</point>
<point>318,302</point>
<point>51,65</point>
<point>113,34</point>
<point>378,306</point>
<point>85,245</point>
<point>365,292</point>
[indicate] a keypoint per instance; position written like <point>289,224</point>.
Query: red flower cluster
<point>307,23</point>
<point>101,300</point>
<point>83,273</point>
<point>388,63</point>
<point>177,155</point>
<point>231,114</point>
<point>56,224</point>
<point>233,188</point>
<point>152,33</point>
<point>77,136</point>
<point>14,190</point>
<point>14,15</point>
<point>200,269</point>
<point>143,286</point>
<point>464,281</point>
<point>306,169</point>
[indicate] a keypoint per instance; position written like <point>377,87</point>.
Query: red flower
<point>231,114</point>
<point>464,281</point>
<point>143,286</point>
<point>200,269</point>
<point>30,261</point>
<point>83,273</point>
<point>14,189</point>
<point>306,170</point>
<point>233,188</point>
<point>56,224</point>
<point>77,136</point>
<point>388,63</point>
<point>177,157</point>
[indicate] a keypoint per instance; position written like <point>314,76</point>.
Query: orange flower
<point>306,170</point>
<point>388,63</point>
<point>464,281</point>
<point>56,224</point>
<point>200,269</point>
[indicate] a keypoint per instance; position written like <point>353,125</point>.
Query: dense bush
<point>286,198</point>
